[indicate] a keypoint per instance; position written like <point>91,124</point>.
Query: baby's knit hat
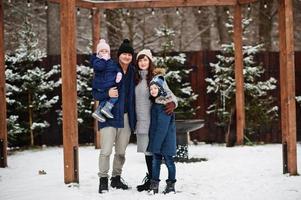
<point>103,45</point>
<point>125,47</point>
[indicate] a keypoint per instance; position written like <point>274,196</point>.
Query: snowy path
<point>239,173</point>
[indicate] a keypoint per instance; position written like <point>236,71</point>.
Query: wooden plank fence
<point>199,62</point>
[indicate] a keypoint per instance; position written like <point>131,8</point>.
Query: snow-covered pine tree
<point>259,104</point>
<point>177,74</point>
<point>29,88</point>
<point>84,96</point>
<point>84,93</point>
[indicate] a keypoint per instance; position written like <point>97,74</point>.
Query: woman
<point>144,64</point>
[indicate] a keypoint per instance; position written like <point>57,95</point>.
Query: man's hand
<point>113,92</point>
<point>169,107</point>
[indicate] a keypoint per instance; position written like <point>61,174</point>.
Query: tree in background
<point>84,93</point>
<point>177,74</point>
<point>84,96</point>
<point>29,88</point>
<point>259,104</point>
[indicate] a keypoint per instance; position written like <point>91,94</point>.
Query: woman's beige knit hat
<point>146,52</point>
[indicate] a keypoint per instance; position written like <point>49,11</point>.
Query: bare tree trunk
<point>221,17</point>
<point>53,29</point>
<point>202,21</point>
<point>114,28</point>
<point>30,117</point>
<point>297,22</point>
<point>230,137</point>
<point>265,23</point>
<point>130,21</point>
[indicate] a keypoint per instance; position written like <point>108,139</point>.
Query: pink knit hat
<point>103,45</point>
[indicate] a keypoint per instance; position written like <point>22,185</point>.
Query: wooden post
<point>239,77</point>
<point>95,39</point>
<point>3,124</point>
<point>287,86</point>
<point>69,93</point>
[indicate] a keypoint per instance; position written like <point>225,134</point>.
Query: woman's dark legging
<point>149,162</point>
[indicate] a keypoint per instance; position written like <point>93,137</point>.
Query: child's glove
<point>118,77</point>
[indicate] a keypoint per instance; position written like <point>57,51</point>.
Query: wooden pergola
<point>68,64</point>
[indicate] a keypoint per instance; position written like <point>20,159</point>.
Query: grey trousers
<point>110,136</point>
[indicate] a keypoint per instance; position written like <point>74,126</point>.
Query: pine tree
<point>29,88</point>
<point>84,96</point>
<point>177,75</point>
<point>84,92</point>
<point>259,104</point>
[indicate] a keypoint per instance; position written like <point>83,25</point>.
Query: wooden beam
<point>3,124</point>
<point>95,39</point>
<point>239,77</point>
<point>69,93</point>
<point>246,1</point>
<point>150,3</point>
<point>287,84</point>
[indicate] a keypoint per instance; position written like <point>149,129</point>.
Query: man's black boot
<point>117,183</point>
<point>103,184</point>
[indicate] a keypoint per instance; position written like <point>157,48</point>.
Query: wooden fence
<point>199,62</point>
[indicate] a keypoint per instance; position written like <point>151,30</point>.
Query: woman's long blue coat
<point>162,132</point>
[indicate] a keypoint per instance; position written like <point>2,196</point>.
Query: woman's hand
<point>113,92</point>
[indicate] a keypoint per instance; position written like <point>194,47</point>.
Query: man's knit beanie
<point>125,47</point>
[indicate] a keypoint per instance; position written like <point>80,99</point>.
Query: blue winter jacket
<point>118,109</point>
<point>105,72</point>
<point>162,131</point>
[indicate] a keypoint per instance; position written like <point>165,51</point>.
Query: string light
<point>249,7</point>
<point>78,11</point>
<point>91,14</point>
<point>228,11</point>
<point>128,13</point>
<point>199,11</point>
<point>153,11</point>
<point>177,11</point>
<point>28,3</point>
<point>46,5</point>
<point>9,1</point>
<point>104,14</point>
<point>265,5</point>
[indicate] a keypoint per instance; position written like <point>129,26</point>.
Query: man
<point>118,129</point>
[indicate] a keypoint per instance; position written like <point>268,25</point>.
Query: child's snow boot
<point>170,186</point>
<point>98,116</point>
<point>106,110</point>
<point>154,186</point>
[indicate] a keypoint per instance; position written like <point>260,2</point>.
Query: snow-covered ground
<point>242,173</point>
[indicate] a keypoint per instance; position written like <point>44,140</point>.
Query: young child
<point>162,134</point>
<point>107,74</point>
